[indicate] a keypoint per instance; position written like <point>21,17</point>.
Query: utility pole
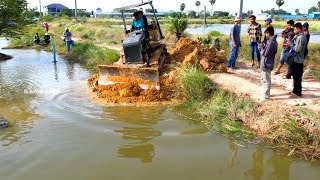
<point>240,11</point>
<point>205,16</point>
<point>75,11</point>
<point>241,8</point>
<point>40,9</point>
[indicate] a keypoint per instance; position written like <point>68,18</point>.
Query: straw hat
<point>237,18</point>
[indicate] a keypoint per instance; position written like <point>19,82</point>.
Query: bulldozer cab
<point>142,58</point>
<point>153,28</point>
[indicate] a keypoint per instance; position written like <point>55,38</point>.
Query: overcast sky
<point>231,6</point>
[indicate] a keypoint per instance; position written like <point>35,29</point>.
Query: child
<point>268,53</point>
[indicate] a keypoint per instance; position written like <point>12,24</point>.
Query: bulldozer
<point>143,55</point>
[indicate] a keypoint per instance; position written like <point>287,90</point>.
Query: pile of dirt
<point>129,91</point>
<point>186,52</point>
<point>192,52</point>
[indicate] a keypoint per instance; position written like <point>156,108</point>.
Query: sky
<point>231,6</point>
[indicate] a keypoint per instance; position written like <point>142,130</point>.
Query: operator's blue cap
<point>269,20</point>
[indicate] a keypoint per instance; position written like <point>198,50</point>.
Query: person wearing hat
<point>235,44</point>
<point>298,47</point>
<point>137,22</point>
<point>306,32</point>
<point>268,25</point>
<point>46,38</point>
<point>68,39</point>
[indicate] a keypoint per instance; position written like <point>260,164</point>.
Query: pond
<point>59,131</point>
<point>225,29</point>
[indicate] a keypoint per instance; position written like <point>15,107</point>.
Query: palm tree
<point>182,6</point>
<point>178,23</point>
<point>198,4</point>
<point>279,4</point>
<point>297,11</point>
<point>318,5</point>
<point>212,3</point>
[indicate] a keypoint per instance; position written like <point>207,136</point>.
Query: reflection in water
<point>20,116</point>
<point>256,171</point>
<point>56,72</point>
<point>140,149</point>
<point>280,167</point>
<point>234,150</point>
<point>70,70</point>
<point>138,131</point>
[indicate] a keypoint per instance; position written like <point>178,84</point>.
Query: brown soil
<point>186,52</point>
<point>4,57</point>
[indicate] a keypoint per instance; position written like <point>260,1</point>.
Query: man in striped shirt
<point>255,35</point>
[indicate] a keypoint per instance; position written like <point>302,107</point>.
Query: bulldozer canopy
<point>132,6</point>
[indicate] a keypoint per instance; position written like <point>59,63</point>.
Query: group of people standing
<point>294,51</point>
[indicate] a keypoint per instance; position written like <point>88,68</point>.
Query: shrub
<point>47,18</point>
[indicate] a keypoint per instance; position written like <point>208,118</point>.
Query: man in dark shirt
<point>306,32</point>
<point>235,43</point>
<point>288,35</point>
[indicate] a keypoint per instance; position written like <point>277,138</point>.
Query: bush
<point>47,18</point>
<point>214,33</point>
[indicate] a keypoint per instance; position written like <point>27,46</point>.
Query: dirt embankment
<point>186,52</point>
<point>4,57</point>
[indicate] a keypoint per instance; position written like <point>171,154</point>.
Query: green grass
<point>90,56</point>
<point>225,112</point>
<point>196,84</point>
<point>218,109</point>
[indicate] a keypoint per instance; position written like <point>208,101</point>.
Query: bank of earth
<point>196,78</point>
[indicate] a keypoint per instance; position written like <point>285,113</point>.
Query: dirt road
<point>247,81</point>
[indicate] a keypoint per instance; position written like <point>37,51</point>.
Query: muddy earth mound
<point>186,52</point>
<point>4,57</point>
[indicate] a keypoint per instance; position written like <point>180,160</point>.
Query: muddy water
<point>58,132</point>
<point>225,29</point>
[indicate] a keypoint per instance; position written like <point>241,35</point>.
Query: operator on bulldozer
<point>140,22</point>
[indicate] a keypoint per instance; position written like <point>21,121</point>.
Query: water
<point>225,29</point>
<point>58,132</point>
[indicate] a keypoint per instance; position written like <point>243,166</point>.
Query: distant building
<point>98,10</point>
<point>53,9</point>
<point>73,10</point>
<point>314,15</point>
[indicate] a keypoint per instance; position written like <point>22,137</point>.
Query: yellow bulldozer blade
<point>148,78</point>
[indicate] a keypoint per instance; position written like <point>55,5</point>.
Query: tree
<point>198,5</point>
<point>212,3</point>
<point>318,5</point>
<point>192,14</point>
<point>149,10</point>
<point>182,6</point>
<point>279,4</point>
<point>65,12</point>
<point>13,16</point>
<point>297,11</point>
<point>178,23</point>
<point>83,13</point>
<point>313,9</point>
